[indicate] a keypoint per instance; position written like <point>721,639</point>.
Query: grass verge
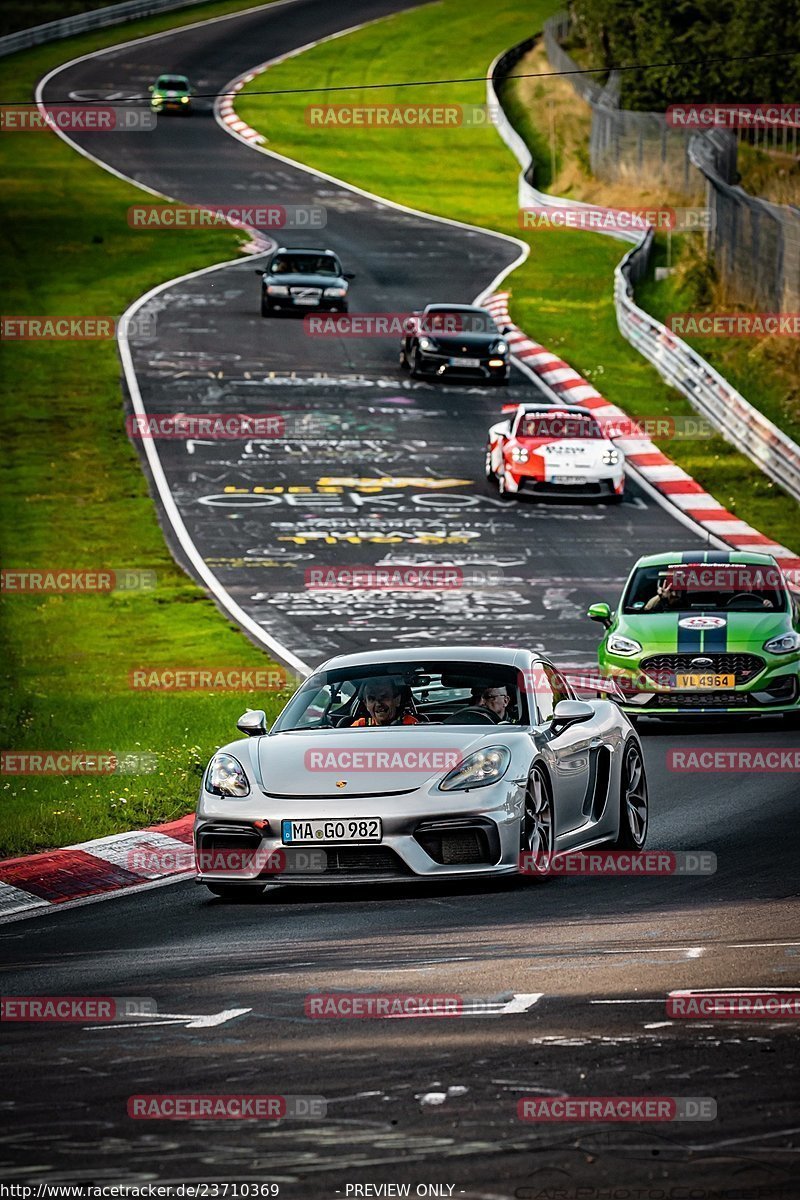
<point>562,295</point>
<point>72,495</point>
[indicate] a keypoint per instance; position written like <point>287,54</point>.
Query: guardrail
<point>679,365</point>
<point>98,18</point>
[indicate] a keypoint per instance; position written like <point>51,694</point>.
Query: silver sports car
<point>419,764</point>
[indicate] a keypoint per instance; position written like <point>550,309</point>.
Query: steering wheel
<point>473,714</point>
<point>745,596</point>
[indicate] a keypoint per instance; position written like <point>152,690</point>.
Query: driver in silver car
<point>494,699</point>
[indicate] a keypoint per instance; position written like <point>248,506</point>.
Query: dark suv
<point>296,279</point>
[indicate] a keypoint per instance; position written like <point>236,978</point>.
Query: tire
<point>615,499</point>
<point>488,469</point>
<point>633,801</point>
<point>416,365</point>
<point>537,832</point>
<point>266,310</point>
<point>236,892</point>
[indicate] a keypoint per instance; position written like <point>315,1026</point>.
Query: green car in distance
<point>171,93</point>
<point>703,632</point>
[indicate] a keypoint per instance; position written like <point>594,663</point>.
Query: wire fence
<point>755,245</point>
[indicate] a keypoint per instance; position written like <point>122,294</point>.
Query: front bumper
<point>448,366</point>
<point>774,690</point>
<point>472,838</point>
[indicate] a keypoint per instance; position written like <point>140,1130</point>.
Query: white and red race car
<point>553,450</point>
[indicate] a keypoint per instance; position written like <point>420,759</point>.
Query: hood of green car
<point>694,632</point>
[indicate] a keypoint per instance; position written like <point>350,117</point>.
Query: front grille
<point>305,291</point>
<point>453,841</point>
<point>220,838</point>
<point>363,860</point>
<point>743,667</point>
<point>462,846</point>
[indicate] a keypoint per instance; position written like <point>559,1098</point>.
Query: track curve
<point>602,953</point>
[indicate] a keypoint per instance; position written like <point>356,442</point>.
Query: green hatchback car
<point>171,93</point>
<point>703,632</point>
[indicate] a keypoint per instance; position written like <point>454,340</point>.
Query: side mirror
<point>260,270</point>
<point>570,712</point>
<point>600,612</point>
<point>349,275</point>
<point>253,722</point>
<point>152,87</point>
<point>507,329</point>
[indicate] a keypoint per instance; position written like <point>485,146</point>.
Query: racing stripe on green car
<point>715,640</point>
<point>690,641</point>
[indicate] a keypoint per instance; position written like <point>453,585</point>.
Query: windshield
<point>304,264</point>
<point>173,83</point>
<point>407,693</point>
<point>558,425</point>
<point>457,320</point>
<point>706,587</point>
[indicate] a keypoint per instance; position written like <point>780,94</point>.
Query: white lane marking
<point>658,1024</point>
<point>189,1020</point>
<point>521,1002</point>
<point>174,517</point>
<point>151,452</point>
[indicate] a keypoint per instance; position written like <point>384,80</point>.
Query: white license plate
<point>306,299</point>
<point>350,829</point>
<point>465,362</point>
<point>568,479</point>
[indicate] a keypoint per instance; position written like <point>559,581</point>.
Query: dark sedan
<point>455,340</point>
<point>303,280</point>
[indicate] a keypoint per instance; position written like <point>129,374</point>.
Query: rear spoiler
<point>509,408</point>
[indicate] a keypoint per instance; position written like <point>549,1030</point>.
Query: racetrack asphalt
<point>601,955</point>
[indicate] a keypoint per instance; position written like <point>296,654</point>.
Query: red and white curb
<point>670,480</point>
<point>227,113</point>
<point>39,882</point>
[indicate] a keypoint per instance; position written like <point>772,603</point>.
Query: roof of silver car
<point>507,656</point>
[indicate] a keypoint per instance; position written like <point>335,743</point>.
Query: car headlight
<point>499,348</point>
<point>478,770</point>
<point>425,344</point>
<point>618,644</point>
<point>519,454</point>
<point>277,289</point>
<point>335,291</point>
<point>225,777</point>
<point>611,457</point>
<point>785,643</point>
<point>184,99</point>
